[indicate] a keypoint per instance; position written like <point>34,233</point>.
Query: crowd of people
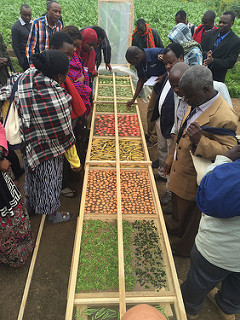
<point>189,114</point>
<point>53,99</point>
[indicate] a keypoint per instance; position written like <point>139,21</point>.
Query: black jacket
<point>19,41</point>
<point>106,48</point>
<point>167,111</point>
<point>225,54</point>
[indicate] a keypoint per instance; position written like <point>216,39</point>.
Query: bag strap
<point>14,89</point>
<point>10,65</point>
<point>221,131</point>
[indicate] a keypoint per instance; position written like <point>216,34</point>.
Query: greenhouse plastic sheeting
<point>115,20</point>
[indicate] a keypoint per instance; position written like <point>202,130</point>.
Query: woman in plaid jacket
<point>46,130</point>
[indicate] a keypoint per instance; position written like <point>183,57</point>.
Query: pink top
<point>3,139</point>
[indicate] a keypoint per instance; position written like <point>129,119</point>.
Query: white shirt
<point>200,109</point>
<point>23,22</point>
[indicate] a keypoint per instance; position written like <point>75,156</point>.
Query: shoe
<point>155,164</point>
<point>60,217</point>
<point>167,198</point>
<point>168,210</point>
<point>222,314</point>
<point>157,177</point>
<point>151,144</point>
<point>68,193</point>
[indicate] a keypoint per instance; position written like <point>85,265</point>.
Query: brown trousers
<point>151,125</point>
<point>183,223</point>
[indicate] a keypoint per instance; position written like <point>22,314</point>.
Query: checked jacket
<point>45,116</point>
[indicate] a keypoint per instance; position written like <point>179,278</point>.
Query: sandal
<point>61,217</point>
<point>68,193</point>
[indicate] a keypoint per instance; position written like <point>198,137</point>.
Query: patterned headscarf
<point>180,34</point>
<point>148,34</point>
<point>192,50</point>
<point>88,58</point>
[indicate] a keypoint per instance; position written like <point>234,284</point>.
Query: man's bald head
<point>134,55</point>
<point>178,69</point>
<point>143,312</point>
<point>197,85</point>
<point>176,74</point>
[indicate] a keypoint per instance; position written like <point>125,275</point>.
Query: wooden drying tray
<point>122,298</point>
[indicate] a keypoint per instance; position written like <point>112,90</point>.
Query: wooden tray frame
<point>122,298</point>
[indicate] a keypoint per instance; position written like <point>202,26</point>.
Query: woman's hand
<point>77,169</point>
<point>5,165</point>
<point>81,79</point>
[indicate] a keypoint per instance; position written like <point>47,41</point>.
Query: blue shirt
<point>152,66</point>
<point>220,39</point>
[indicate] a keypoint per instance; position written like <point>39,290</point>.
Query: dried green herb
<point>106,91</point>
<point>150,268</point>
<point>124,91</point>
<point>122,108</point>
<point>105,313</point>
<point>101,107</point>
<point>98,263</point>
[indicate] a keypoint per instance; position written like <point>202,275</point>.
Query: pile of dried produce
<point>136,192</point>
<point>103,149</point>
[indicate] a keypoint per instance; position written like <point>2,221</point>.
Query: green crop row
<point>159,14</point>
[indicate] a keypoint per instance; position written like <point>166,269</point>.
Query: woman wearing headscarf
<point>76,72</point>
<point>16,240</point>
<point>46,130</point>
<point>87,52</point>
<point>192,50</point>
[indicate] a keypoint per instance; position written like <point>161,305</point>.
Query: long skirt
<point>16,239</point>
<point>43,186</point>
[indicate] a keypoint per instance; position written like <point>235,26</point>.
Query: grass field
<point>159,14</point>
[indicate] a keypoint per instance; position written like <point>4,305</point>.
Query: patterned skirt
<point>16,239</point>
<point>43,186</point>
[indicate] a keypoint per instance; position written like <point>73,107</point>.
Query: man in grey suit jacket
<point>221,47</point>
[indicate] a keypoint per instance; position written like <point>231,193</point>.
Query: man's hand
<point>109,67</point>
<point>234,153</point>
<point>209,59</point>
<point>5,165</point>
<point>3,61</point>
<point>129,103</point>
<point>194,132</point>
<point>160,78</point>
<point>166,170</point>
<point>95,74</point>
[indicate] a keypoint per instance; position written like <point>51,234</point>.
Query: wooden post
<point>31,269</point>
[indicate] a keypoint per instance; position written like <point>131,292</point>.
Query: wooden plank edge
<point>122,302</point>
<point>129,300</point>
<point>76,251</point>
<point>180,310</point>
<point>31,269</point>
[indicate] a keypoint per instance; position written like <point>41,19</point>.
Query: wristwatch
<point>2,155</point>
